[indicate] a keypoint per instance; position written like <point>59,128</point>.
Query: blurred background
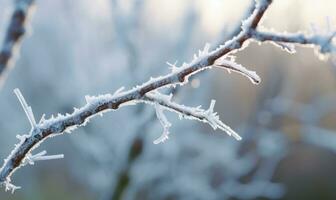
<point>78,48</point>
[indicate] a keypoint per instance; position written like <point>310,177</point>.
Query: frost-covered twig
<point>15,31</point>
<point>164,122</point>
<point>323,41</point>
<point>207,116</point>
<point>97,105</point>
<point>231,65</point>
<point>179,76</point>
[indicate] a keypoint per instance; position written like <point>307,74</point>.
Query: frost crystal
<point>288,47</point>
<point>173,67</point>
<point>215,122</point>
<point>231,65</point>
<point>164,122</point>
<point>9,186</point>
<point>30,159</point>
<point>28,110</point>
<point>192,113</point>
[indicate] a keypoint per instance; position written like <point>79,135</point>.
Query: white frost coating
<point>30,159</point>
<point>215,122</point>
<point>9,186</point>
<point>42,118</point>
<point>118,91</point>
<point>204,53</point>
<point>231,65</point>
<point>203,60</point>
<point>288,47</point>
<point>173,67</point>
<point>164,122</point>
<point>247,23</point>
<point>28,110</point>
<point>323,41</point>
<point>193,113</point>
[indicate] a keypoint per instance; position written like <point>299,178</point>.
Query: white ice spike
<point>164,122</point>
<point>28,110</point>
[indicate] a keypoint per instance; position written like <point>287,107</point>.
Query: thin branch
<point>323,41</point>
<point>15,31</point>
<point>164,122</point>
<point>102,103</point>
<point>231,65</point>
<point>207,116</point>
<point>179,75</point>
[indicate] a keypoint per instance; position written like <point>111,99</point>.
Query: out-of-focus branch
<point>15,31</point>
<point>319,137</point>
<point>125,25</point>
<point>237,27</point>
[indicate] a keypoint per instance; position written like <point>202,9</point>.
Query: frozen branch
<point>207,116</point>
<point>100,104</point>
<point>323,41</point>
<point>230,65</point>
<point>164,122</point>
<point>15,31</point>
<point>146,92</point>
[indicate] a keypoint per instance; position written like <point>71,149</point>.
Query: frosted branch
<point>164,122</point>
<point>193,113</point>
<point>97,105</point>
<point>147,92</point>
<point>230,65</point>
<point>324,42</point>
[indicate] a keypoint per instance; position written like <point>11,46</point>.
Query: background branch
<point>15,31</point>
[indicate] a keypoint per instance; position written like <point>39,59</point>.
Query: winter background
<point>75,48</point>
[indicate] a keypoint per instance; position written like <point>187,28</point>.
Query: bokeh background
<point>78,48</point>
